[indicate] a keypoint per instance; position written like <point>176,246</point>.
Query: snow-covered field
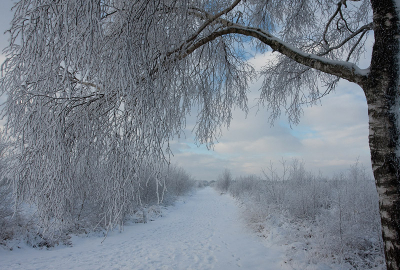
<point>203,231</point>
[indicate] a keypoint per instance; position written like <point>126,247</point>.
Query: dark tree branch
<point>330,21</point>
<point>362,30</point>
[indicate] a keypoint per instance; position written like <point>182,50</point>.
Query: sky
<point>330,137</point>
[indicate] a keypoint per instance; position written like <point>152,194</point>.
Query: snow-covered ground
<point>203,231</point>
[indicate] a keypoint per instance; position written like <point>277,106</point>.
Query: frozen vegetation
<point>324,223</point>
<point>103,200</point>
<point>303,220</point>
<point>96,90</point>
<point>202,231</point>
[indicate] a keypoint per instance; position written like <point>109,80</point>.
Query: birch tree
<point>86,76</point>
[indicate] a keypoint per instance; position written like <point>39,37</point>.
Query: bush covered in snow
<point>334,220</point>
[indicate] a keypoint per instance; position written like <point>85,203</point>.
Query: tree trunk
<point>382,92</point>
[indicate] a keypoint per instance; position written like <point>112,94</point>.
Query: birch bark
<point>382,92</point>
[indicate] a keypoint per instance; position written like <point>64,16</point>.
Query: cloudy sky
<point>329,138</point>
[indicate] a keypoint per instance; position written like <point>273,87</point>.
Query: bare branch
<point>330,21</point>
<point>362,30</point>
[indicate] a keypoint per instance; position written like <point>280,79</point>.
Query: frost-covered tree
<point>112,80</point>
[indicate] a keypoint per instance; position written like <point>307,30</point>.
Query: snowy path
<point>203,233</point>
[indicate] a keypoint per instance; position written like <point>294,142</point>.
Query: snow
<point>203,231</point>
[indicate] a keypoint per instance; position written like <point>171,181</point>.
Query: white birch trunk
<point>382,92</point>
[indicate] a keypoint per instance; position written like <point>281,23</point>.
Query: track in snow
<point>203,233</point>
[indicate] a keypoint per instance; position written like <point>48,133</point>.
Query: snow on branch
<point>342,69</point>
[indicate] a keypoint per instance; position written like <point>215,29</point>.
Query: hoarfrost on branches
<point>97,88</point>
<point>95,91</point>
